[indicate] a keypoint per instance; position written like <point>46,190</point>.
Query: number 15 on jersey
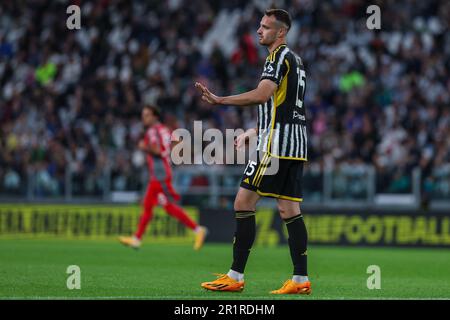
<point>301,84</point>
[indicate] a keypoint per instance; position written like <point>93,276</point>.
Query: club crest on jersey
<point>269,68</point>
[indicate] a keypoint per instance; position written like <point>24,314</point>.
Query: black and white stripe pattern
<point>289,140</point>
<point>281,60</point>
<point>282,126</point>
<point>265,113</point>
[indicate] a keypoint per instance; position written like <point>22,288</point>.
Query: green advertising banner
<point>381,228</point>
<point>109,221</point>
<point>89,222</point>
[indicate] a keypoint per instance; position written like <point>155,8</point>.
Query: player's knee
<point>287,210</point>
<point>241,205</point>
<point>282,213</point>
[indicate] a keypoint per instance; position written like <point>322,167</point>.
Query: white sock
<point>300,279</point>
<point>236,275</point>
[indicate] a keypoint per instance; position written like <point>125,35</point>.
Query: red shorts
<point>160,192</point>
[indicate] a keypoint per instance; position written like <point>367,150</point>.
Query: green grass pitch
<point>36,269</point>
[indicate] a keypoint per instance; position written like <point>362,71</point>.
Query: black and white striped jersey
<point>282,119</point>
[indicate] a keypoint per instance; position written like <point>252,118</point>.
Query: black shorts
<point>274,177</point>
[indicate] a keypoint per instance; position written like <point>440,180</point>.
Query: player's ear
<point>281,32</point>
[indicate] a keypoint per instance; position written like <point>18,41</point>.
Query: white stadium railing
<point>342,186</point>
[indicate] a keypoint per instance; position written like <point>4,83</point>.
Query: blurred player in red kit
<point>156,145</point>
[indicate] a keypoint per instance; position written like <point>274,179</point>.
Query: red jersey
<point>159,166</point>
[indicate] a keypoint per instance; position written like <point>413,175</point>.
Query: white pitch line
<point>209,298</point>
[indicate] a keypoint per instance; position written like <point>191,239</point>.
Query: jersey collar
<point>283,44</point>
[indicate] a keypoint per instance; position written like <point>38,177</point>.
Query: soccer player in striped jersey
<point>282,139</point>
<point>156,144</point>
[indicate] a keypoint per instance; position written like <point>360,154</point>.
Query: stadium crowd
<point>72,98</point>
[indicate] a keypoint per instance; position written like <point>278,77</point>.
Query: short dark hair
<point>280,15</point>
<point>155,109</point>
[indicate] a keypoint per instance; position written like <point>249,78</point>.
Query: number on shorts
<point>251,165</point>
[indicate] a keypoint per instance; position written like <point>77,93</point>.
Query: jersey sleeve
<point>274,67</point>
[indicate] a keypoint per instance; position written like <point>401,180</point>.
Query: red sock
<point>179,213</point>
<point>146,216</point>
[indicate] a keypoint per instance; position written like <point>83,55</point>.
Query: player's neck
<point>276,44</point>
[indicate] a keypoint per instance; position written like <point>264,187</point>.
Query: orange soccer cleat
<point>200,237</point>
<point>131,242</point>
<point>292,287</point>
<point>224,283</point>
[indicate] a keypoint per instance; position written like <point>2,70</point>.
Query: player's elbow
<point>262,97</point>
<point>265,90</point>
